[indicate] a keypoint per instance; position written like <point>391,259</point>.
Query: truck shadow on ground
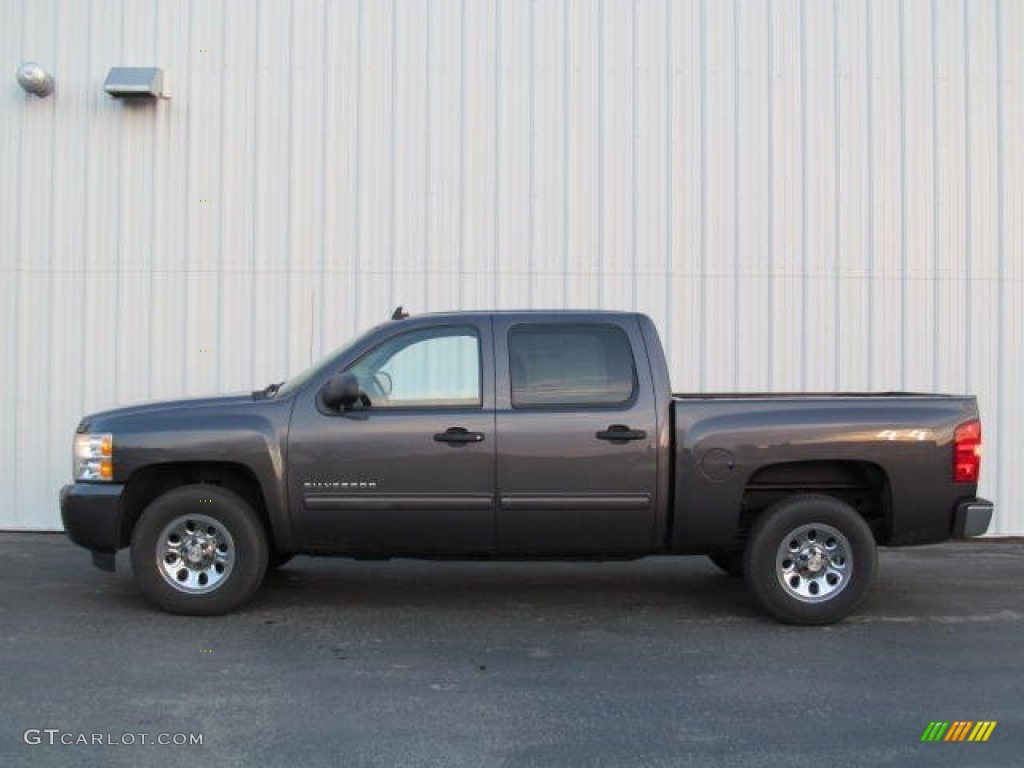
<point>913,586</point>
<point>592,588</point>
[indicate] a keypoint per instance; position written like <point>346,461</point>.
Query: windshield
<point>300,380</point>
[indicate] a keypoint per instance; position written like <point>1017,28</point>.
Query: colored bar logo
<point>959,730</point>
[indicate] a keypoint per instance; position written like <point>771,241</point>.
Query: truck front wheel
<point>810,559</point>
<point>198,550</point>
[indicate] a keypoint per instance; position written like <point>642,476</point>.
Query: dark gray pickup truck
<point>521,435</point>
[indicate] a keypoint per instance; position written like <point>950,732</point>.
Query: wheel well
<point>862,485</point>
<point>149,482</point>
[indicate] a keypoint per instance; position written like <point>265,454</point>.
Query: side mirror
<point>341,391</point>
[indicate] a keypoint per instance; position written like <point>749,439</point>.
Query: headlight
<point>94,458</point>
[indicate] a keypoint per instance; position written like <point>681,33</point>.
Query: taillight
<point>967,452</point>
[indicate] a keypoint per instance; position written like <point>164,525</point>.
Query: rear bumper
<point>972,518</point>
<point>91,515</point>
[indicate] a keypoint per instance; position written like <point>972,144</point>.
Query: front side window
<point>570,365</point>
<point>430,368</point>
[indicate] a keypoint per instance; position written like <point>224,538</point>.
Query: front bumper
<point>972,518</point>
<point>91,516</point>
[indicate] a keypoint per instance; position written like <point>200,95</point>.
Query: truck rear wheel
<point>199,550</point>
<point>810,559</point>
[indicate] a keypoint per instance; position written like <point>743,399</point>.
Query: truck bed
<point>800,395</point>
<point>731,450</point>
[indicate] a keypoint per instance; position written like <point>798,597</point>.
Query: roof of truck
<point>566,312</point>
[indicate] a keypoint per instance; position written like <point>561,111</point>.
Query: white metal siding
<point>804,195</point>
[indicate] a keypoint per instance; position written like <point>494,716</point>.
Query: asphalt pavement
<point>659,662</point>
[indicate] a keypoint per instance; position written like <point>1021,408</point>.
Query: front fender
<point>250,435</point>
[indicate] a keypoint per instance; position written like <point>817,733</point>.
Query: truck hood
<point>190,408</point>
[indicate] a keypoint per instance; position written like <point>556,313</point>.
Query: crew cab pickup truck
<point>521,435</point>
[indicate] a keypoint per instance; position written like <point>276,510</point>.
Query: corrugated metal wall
<point>805,195</point>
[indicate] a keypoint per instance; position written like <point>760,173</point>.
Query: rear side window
<point>580,365</point>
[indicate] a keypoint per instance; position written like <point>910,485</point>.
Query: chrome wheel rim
<point>814,563</point>
<point>195,554</point>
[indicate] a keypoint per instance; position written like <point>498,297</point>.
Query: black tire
<point>199,550</point>
<point>810,560</point>
<point>731,562</point>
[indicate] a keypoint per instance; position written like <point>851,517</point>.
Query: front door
<point>413,471</point>
<point>576,417</point>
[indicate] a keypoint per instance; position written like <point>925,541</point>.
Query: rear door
<point>576,419</point>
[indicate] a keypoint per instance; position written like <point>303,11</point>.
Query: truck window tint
<point>554,365</point>
<point>436,367</point>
